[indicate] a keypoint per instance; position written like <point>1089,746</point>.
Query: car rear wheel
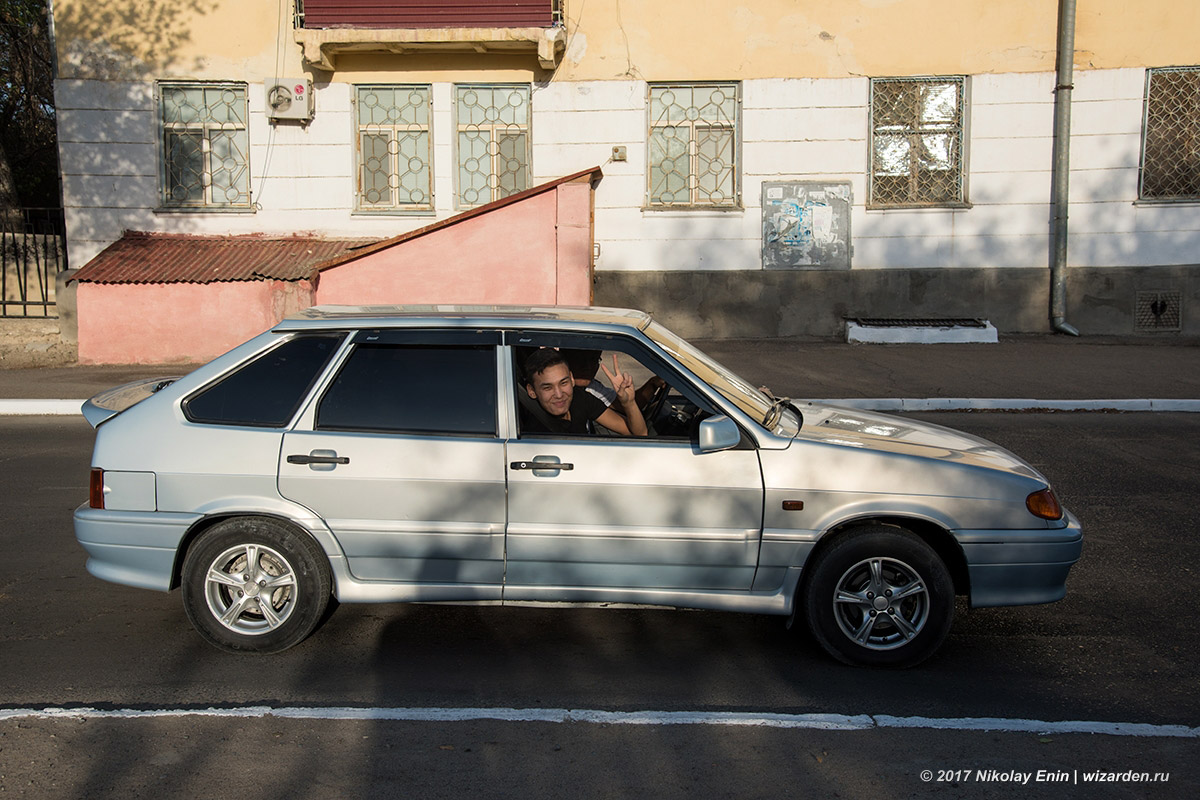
<point>879,596</point>
<point>254,585</point>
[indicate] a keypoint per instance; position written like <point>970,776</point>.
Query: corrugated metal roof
<point>139,257</point>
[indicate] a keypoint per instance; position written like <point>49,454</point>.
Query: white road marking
<point>825,722</point>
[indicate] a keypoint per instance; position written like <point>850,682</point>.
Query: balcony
<point>326,29</point>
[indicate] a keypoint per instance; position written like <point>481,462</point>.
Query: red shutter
<point>428,13</point>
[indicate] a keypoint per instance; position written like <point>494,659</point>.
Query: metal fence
<point>33,250</point>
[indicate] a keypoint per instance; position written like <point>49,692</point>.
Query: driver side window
<point>607,374</point>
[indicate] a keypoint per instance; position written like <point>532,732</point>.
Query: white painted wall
<point>801,129</point>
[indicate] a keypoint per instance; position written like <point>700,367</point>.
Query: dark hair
<point>540,360</point>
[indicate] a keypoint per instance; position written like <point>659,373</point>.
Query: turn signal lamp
<point>96,489</point>
<point>1044,504</point>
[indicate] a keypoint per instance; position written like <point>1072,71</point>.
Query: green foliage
<point>28,140</point>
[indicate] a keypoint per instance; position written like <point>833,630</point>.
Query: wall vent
<point>1159,311</point>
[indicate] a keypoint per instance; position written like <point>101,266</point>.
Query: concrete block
<point>923,334</point>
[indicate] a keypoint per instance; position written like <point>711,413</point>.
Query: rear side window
<point>400,388</point>
<point>267,391</point>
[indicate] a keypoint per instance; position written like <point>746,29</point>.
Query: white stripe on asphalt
<point>825,722</point>
<point>35,408</point>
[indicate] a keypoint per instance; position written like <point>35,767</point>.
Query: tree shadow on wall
<point>125,39</point>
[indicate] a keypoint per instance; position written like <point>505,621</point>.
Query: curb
<point>67,408</point>
<point>1013,404</point>
<point>40,408</point>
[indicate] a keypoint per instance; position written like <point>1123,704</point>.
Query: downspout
<point>1061,169</point>
<point>50,35</point>
<point>53,41</point>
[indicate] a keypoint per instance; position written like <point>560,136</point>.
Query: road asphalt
<point>1017,373</point>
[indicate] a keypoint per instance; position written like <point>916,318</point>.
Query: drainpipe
<point>53,42</point>
<point>1060,194</point>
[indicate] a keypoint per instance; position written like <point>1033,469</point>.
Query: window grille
<point>205,148</point>
<point>394,148</point>
<point>492,142</point>
<point>917,142</point>
<point>1171,135</point>
<point>694,137</point>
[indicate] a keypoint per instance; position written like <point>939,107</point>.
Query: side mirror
<point>718,433</point>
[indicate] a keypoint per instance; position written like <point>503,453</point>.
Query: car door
<point>627,519</point>
<point>400,454</point>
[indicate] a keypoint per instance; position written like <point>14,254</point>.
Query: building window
<point>492,143</point>
<point>694,145</point>
<point>394,148</point>
<point>205,146</point>
<point>1171,135</point>
<point>917,142</point>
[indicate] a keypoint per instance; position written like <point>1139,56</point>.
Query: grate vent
<point>921,322</point>
<point>1159,311</point>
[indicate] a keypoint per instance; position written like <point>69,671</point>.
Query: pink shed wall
<point>168,323</point>
<point>536,251</point>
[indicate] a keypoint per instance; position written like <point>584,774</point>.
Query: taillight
<point>96,489</point>
<point>1044,504</point>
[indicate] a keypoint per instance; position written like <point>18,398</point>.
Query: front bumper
<point>1019,568</point>
<point>135,548</point>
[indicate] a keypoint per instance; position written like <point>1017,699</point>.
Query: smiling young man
<point>548,380</point>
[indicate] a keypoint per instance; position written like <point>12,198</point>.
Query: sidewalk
<point>1025,372</point>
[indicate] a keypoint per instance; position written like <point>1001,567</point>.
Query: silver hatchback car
<point>548,455</point>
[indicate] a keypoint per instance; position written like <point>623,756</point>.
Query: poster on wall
<point>806,224</point>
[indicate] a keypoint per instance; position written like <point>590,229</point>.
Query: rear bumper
<point>133,548</point>
<point>1019,568</point>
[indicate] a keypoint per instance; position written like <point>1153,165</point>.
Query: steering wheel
<point>656,402</point>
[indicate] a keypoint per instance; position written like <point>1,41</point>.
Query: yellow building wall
<point>659,40</point>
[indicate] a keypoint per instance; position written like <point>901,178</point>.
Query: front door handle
<point>542,466</point>
<point>319,459</point>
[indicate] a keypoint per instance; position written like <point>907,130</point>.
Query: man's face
<point>553,388</point>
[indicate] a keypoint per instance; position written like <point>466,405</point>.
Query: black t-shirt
<point>585,408</point>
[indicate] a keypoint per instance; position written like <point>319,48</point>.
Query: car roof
<point>414,316</point>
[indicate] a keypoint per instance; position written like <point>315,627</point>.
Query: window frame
<point>914,132</point>
<point>644,355</point>
<point>493,188</point>
<point>734,202</point>
<point>361,130</point>
<point>427,344</point>
<point>205,129</point>
<point>338,338</point>
<point>1194,120</point>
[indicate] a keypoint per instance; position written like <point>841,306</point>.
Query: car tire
<point>255,585</point>
<point>879,596</point>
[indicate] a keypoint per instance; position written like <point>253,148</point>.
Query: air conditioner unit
<point>289,98</point>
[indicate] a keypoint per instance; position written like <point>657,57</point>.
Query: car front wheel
<point>879,596</point>
<point>253,585</point>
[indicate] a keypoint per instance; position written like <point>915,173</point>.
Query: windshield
<point>753,402</point>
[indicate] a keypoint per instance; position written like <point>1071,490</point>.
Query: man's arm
<point>632,424</point>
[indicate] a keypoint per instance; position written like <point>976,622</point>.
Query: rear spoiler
<point>111,402</point>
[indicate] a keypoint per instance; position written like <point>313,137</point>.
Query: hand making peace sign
<point>622,383</point>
